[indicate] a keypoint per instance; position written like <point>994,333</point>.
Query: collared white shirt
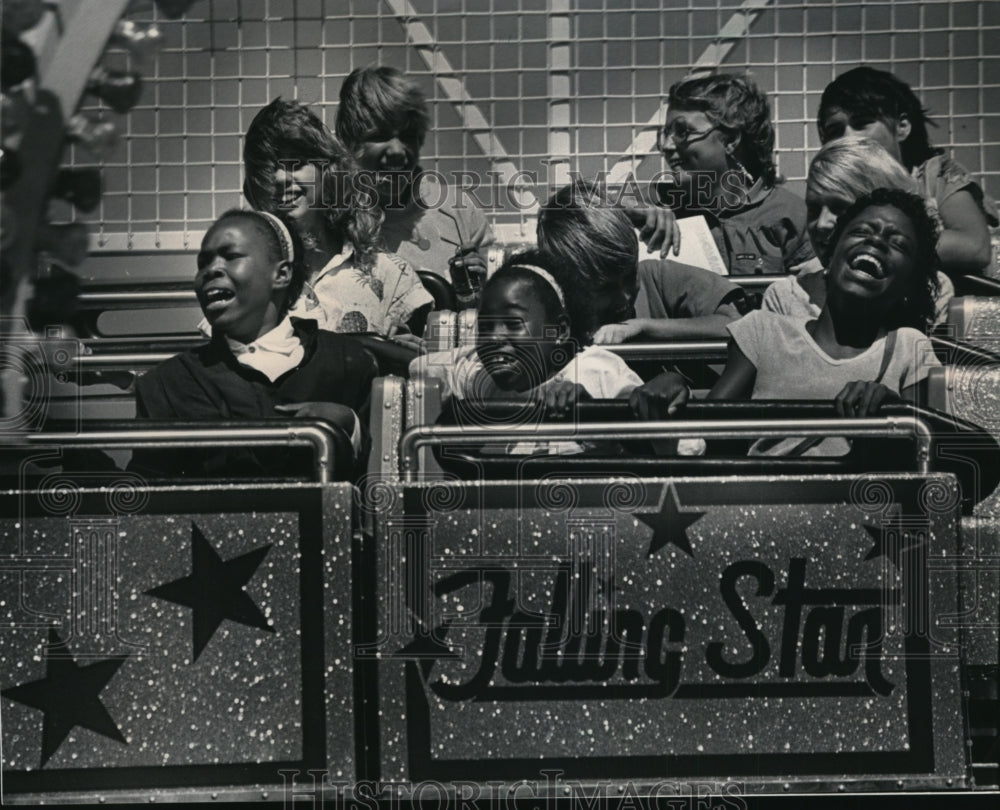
<point>272,354</point>
<point>276,353</point>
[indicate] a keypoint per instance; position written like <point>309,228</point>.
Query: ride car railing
<point>911,425</point>
<point>322,438</point>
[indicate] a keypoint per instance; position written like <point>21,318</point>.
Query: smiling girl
<point>867,343</point>
<point>525,346</point>
<point>841,171</point>
<point>383,119</point>
<point>525,350</point>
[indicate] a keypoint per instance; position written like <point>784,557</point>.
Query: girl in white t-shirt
<point>524,347</point>
<point>524,350</point>
<point>865,347</point>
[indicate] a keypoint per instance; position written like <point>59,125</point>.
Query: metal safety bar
<point>709,350</point>
<point>85,362</point>
<point>147,296</point>
<point>154,435</point>
<point>874,427</point>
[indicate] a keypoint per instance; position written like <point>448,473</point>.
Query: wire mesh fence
<point>521,93</point>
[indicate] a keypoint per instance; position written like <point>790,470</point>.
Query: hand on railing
<point>661,397</point>
<point>861,398</point>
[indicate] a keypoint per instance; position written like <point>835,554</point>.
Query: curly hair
<point>916,309</point>
<point>288,131</point>
<point>734,104</point>
<point>268,230</point>
<point>380,100</point>
<point>597,246</point>
<point>865,95</point>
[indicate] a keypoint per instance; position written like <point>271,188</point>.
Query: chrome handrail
<point>300,433</point>
<point>112,361</point>
<point>882,426</point>
<point>671,350</point>
<point>139,299</point>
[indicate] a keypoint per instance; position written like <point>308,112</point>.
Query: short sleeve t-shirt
<point>939,177</point>
<point>765,235</point>
<point>603,374</point>
<point>790,364</point>
<point>431,229</point>
<point>669,289</point>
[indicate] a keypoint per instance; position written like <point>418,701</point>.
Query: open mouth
<point>290,199</point>
<point>500,362</point>
<point>389,176</point>
<point>869,265</point>
<point>216,299</point>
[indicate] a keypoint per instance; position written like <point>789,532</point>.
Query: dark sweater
<point>207,383</point>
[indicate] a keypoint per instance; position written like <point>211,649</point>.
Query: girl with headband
<point>525,346</point>
<point>260,362</point>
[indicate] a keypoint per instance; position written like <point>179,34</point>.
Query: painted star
<point>428,647</point>
<point>214,590</point>
<point>892,540</point>
<point>69,695</point>
<point>670,524</point>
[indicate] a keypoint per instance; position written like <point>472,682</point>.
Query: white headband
<point>284,237</point>
<point>548,277</point>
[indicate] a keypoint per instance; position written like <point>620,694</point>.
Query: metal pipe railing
<point>97,299</point>
<point>673,350</point>
<point>87,362</point>
<point>316,435</point>
<point>872,427</point>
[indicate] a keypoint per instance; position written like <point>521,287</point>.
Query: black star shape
<point>428,647</point>
<point>670,524</point>
<point>891,541</point>
<point>69,695</point>
<point>214,590</point>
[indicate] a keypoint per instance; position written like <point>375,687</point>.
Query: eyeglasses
<point>679,132</point>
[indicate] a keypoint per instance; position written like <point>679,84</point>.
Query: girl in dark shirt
<point>260,363</point>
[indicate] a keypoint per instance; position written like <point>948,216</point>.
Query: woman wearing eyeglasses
<point>719,141</point>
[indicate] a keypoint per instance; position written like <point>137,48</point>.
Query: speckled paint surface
<point>509,631</point>
<point>974,394</point>
<point>180,629</point>
<point>510,669</point>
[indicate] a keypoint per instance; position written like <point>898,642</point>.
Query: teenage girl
<point>866,346</point>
